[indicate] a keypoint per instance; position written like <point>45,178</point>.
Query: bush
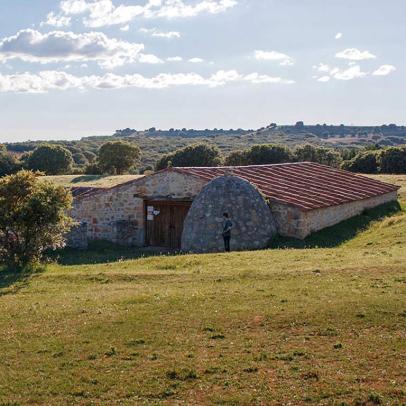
<point>51,159</point>
<point>237,158</point>
<point>364,162</point>
<point>93,169</point>
<point>321,155</point>
<point>393,160</point>
<point>80,159</point>
<point>193,155</point>
<point>268,154</point>
<point>32,218</point>
<point>8,163</point>
<point>118,157</point>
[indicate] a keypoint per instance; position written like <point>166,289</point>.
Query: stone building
<point>182,208</point>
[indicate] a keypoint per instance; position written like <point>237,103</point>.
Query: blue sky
<point>75,68</point>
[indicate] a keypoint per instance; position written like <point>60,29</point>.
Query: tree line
<point>119,157</point>
<point>371,160</point>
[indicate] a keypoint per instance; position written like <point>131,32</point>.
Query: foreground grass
<point>284,326</point>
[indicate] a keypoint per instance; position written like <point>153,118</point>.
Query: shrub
<point>92,169</point>
<point>237,158</point>
<point>80,159</point>
<point>321,155</point>
<point>393,160</point>
<point>117,157</point>
<point>51,159</point>
<point>268,154</point>
<point>193,155</point>
<point>32,218</point>
<point>364,162</point>
<point>8,163</point>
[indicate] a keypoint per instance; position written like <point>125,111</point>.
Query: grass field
<point>323,326</point>
<point>90,180</point>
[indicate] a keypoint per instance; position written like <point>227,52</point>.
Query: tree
<point>268,154</point>
<point>237,158</point>
<point>8,163</point>
<point>33,218</point>
<point>321,155</point>
<point>364,162</point>
<point>93,169</point>
<point>90,156</point>
<point>393,160</point>
<point>117,157</point>
<point>80,159</point>
<point>193,155</point>
<point>51,159</point>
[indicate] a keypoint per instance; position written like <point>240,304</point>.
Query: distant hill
<point>154,142</point>
<point>340,135</point>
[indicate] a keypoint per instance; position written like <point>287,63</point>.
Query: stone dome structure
<point>253,222</point>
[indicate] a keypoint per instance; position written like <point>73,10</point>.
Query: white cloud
<point>148,58</point>
<point>52,80</point>
<point>57,20</point>
<point>355,54</point>
<point>339,35</point>
<point>384,70</point>
<point>178,8</point>
<point>257,78</point>
<point>321,67</point>
<point>323,79</point>
<point>61,46</point>
<point>74,6</point>
<point>283,59</point>
<point>196,60</point>
<point>174,59</point>
<point>125,28</point>
<point>100,13</point>
<point>352,72</point>
<point>154,32</point>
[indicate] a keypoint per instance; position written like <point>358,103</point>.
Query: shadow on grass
<point>100,252</point>
<point>12,280</point>
<point>87,178</point>
<point>340,233</point>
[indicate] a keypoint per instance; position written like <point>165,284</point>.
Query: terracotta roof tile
<point>306,185</point>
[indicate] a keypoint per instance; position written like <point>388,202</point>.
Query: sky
<point>74,68</point>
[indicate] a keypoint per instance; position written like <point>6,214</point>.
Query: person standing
<point>227,227</point>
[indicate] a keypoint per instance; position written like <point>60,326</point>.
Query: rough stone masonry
<point>254,225</point>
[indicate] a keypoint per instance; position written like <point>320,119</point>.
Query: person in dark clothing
<point>227,227</point>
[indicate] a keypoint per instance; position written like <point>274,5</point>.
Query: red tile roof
<point>305,185</point>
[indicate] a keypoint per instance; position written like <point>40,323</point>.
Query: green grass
<point>295,326</point>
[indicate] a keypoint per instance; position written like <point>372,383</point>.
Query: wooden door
<point>164,223</point>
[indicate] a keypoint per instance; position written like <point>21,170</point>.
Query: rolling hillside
<point>321,326</point>
<point>154,143</point>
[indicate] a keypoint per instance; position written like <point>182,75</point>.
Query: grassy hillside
<point>285,326</point>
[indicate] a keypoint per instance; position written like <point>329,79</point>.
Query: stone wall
<point>253,222</point>
<point>77,236</point>
<point>117,214</point>
<point>290,221</point>
<point>316,220</point>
